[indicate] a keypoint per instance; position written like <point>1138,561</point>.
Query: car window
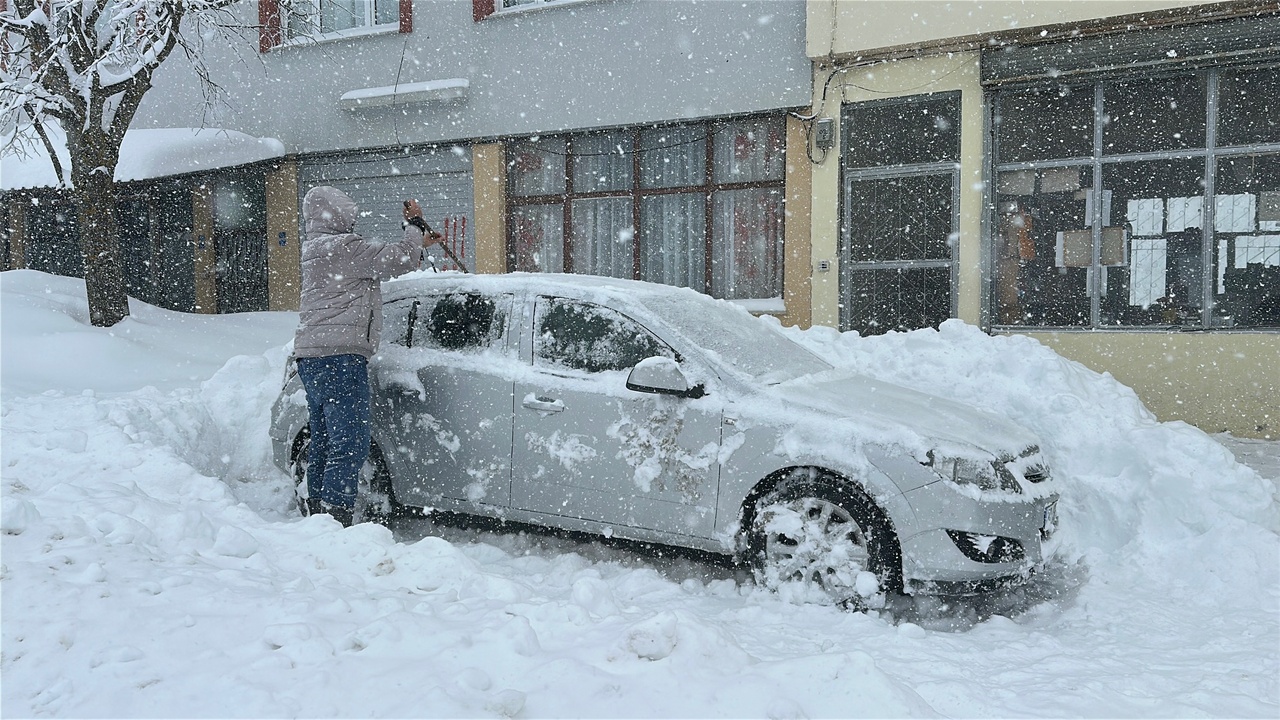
<point>395,320</point>
<point>457,321</point>
<point>591,338</point>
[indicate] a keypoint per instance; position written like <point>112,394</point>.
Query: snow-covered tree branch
<point>86,65</point>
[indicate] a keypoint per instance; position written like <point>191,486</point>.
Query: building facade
<point>1102,176</point>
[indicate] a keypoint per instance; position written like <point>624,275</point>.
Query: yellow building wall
<point>851,27</point>
<point>284,247</point>
<point>1215,381</point>
<point>797,263</point>
<point>205,257</point>
<point>899,78</point>
<point>489,175</point>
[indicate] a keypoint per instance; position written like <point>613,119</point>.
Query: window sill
<point>535,7</point>
<point>325,39</point>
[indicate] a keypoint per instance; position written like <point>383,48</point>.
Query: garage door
<point>438,178</point>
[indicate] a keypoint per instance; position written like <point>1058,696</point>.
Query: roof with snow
<point>144,155</point>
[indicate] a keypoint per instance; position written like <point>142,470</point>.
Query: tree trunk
<point>93,178</point>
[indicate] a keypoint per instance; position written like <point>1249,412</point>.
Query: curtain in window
<point>673,157</point>
<point>603,237</point>
<point>602,162</point>
<point>338,15</point>
<point>746,244</point>
<point>536,167</point>
<point>750,151</point>
<point>672,250</point>
<point>537,234</point>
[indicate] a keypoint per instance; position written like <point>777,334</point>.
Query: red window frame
<point>271,23</point>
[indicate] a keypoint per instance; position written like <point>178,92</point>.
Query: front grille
<point>987,548</point>
<point>1036,475</point>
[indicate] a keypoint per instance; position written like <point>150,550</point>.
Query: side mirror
<point>662,375</point>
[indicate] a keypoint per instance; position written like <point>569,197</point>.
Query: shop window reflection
<point>1035,283</point>
<point>1246,242</point>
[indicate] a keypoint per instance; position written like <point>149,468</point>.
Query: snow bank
<point>1133,486</point>
<point>153,566</point>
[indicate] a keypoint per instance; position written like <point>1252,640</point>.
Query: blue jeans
<point>338,403</point>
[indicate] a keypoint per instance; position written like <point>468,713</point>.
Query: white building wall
<point>575,65</point>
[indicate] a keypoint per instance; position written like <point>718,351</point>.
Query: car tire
<point>375,499</point>
<point>818,538</point>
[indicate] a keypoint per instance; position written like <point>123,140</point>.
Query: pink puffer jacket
<point>341,310</point>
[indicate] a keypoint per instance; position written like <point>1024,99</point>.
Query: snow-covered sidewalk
<point>153,565</point>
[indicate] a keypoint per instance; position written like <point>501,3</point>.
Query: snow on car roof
<point>593,287</point>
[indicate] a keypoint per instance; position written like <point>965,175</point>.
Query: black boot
<point>313,507</point>
<point>341,514</point>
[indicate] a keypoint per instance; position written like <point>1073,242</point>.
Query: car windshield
<point>743,342</point>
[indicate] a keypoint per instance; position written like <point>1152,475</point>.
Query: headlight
<point>986,474</point>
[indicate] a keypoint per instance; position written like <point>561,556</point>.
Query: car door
<point>585,447</point>
<point>444,389</point>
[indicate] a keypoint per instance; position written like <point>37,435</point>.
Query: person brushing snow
<point>339,323</point>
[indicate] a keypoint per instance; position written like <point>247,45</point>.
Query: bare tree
<point>85,65</point>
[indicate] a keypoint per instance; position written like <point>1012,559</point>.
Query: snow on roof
<point>144,154</point>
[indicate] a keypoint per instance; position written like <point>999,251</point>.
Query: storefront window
<point>1159,244</point>
<point>1245,244</point>
<point>1144,115</point>
<point>696,205</point>
<point>1043,247</point>
<point>1247,107</point>
<point>1151,268</point>
<point>1044,123</point>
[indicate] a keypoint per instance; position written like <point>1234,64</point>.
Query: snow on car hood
<point>892,409</point>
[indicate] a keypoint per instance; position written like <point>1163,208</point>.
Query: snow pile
<point>1137,488</point>
<point>153,566</point>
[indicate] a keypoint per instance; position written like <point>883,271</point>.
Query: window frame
<point>274,24</point>
<point>638,192</point>
<point>946,163</point>
<point>1095,167</point>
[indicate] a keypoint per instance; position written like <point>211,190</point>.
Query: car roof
<point>596,288</point>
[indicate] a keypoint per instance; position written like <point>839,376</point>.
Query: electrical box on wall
<point>824,133</point>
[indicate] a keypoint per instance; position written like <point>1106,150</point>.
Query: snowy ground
<point>153,567</point>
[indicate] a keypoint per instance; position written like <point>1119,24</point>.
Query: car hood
<point>936,421</point>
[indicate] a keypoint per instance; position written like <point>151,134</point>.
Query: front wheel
<point>375,501</point>
<point>817,539</point>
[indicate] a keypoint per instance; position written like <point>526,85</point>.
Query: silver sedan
<point>653,413</point>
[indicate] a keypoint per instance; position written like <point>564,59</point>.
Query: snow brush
<point>441,240</point>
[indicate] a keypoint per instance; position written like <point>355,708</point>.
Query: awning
<point>144,155</point>
<point>405,94</point>
<point>1244,40</point>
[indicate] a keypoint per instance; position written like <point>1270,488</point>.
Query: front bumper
<point>963,544</point>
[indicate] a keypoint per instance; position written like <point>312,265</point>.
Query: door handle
<point>542,404</point>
